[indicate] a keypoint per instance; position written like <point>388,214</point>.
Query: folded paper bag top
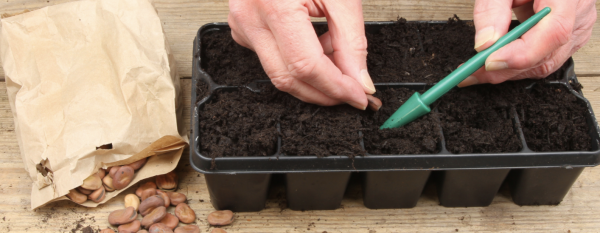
<point>91,84</point>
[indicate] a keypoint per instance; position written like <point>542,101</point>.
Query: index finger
<point>304,57</point>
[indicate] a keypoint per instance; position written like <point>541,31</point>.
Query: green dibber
<point>418,105</point>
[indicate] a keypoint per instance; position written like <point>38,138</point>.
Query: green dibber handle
<point>418,105</point>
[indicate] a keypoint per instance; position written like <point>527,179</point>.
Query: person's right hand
<point>328,70</point>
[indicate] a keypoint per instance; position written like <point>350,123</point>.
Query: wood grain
<point>577,213</point>
<point>182,19</point>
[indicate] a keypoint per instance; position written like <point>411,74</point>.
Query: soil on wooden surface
<point>239,123</point>
<point>421,136</point>
<point>418,52</point>
<point>478,119</point>
<point>554,119</point>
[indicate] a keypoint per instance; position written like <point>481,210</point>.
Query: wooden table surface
<point>579,211</point>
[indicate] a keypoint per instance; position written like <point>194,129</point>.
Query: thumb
<point>492,19</point>
<point>347,40</point>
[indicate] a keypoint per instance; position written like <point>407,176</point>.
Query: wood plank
<point>182,18</point>
<point>577,213</point>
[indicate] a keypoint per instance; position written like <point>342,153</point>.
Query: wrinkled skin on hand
<point>540,51</point>
<point>326,70</point>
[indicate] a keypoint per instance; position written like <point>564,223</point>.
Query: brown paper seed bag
<point>91,84</point>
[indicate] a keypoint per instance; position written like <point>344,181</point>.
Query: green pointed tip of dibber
<point>418,105</point>
<point>409,111</point>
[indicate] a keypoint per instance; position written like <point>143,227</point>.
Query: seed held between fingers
<point>374,103</point>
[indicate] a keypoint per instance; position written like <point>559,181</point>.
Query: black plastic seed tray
<point>389,181</point>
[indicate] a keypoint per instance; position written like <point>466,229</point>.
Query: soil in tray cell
<point>554,119</point>
<point>421,136</point>
<point>419,52</point>
<point>308,129</point>
<point>239,123</point>
<point>478,119</point>
<point>227,62</point>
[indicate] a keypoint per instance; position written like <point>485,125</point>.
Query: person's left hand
<point>540,51</point>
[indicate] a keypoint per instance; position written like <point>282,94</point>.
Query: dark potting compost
<point>419,137</point>
<point>554,120</point>
<point>478,119</point>
<point>535,135</point>
<point>239,123</point>
<point>417,52</point>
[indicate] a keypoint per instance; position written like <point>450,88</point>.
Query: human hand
<point>326,70</point>
<point>540,51</point>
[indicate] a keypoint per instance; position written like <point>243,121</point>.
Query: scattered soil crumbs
<point>553,119</point>
<point>308,129</point>
<point>227,62</point>
<point>417,52</point>
<point>478,119</point>
<point>419,137</point>
<point>239,123</point>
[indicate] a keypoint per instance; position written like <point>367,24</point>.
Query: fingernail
<point>367,82</point>
<point>471,80</point>
<point>495,65</point>
<point>483,36</point>
<point>356,105</point>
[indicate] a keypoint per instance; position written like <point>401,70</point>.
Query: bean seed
<point>113,171</point>
<point>160,228</point>
<point>123,216</point>
<point>76,196</point>
<point>220,218</point>
<point>123,177</point>
<point>108,183</point>
<point>143,187</point>
<point>101,173</point>
<point>218,230</point>
<point>107,230</point>
<point>98,195</point>
<point>142,231</point>
<point>176,198</point>
<point>170,220</point>
<point>150,204</point>
<point>167,181</point>
<point>164,196</point>
<point>185,213</point>
<point>130,227</point>
<point>188,229</point>
<point>137,164</point>
<point>132,200</point>
<point>84,191</point>
<point>155,216</point>
<point>93,182</point>
<point>148,193</point>
<point>374,103</point>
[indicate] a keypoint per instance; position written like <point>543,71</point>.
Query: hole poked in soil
<point>554,119</point>
<point>238,122</point>
<point>421,136</point>
<point>478,119</point>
